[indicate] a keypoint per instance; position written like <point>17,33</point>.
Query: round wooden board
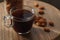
<point>37,33</point>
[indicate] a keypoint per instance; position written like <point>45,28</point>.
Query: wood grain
<point>37,33</point>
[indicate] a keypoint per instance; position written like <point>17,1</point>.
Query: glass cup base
<point>25,32</point>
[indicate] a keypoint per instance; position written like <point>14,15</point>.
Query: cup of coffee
<point>21,19</point>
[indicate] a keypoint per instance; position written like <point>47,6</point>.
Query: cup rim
<point>21,18</point>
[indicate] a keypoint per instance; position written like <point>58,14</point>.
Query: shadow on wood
<point>57,38</point>
<point>33,35</point>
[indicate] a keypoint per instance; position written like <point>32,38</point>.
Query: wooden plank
<point>36,33</point>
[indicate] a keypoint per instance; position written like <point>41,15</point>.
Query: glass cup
<point>20,19</point>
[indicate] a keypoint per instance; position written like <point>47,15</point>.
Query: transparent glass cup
<point>21,24</point>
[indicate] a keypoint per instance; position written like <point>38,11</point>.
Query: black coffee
<point>23,20</point>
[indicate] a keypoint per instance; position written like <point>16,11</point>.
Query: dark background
<point>56,3</point>
<point>1,0</point>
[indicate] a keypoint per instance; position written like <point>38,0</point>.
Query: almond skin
<point>41,12</point>
<point>51,23</point>
<point>41,8</point>
<point>46,29</point>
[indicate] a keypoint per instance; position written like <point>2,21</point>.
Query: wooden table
<point>37,33</point>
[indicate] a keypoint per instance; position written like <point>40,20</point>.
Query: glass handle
<point>8,21</point>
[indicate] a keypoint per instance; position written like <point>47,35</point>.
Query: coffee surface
<point>22,15</point>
